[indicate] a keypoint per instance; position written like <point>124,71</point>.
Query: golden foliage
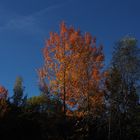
<point>3,104</point>
<point>3,92</point>
<point>73,64</point>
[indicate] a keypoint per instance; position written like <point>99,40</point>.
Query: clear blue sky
<point>25,24</point>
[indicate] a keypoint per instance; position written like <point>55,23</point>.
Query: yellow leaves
<point>87,38</point>
<point>96,103</point>
<point>42,73</point>
<point>46,54</point>
<point>60,76</point>
<point>99,58</point>
<point>106,74</point>
<point>74,62</point>
<point>53,83</point>
<point>52,39</point>
<point>67,46</point>
<point>96,75</point>
<point>3,104</point>
<point>56,38</point>
<point>3,92</point>
<point>63,28</point>
<point>73,37</point>
<point>97,98</point>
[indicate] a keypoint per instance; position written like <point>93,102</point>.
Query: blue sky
<point>25,24</point>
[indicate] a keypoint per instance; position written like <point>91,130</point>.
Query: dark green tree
<point>122,81</point>
<point>19,99</point>
<point>126,58</point>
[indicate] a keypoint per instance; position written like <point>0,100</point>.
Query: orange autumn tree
<point>57,56</point>
<point>72,66</point>
<point>3,104</point>
<point>87,74</point>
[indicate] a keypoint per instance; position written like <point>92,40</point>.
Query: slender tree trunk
<point>109,129</point>
<point>120,131</point>
<point>88,107</point>
<point>64,92</point>
<point>109,126</point>
<point>64,106</point>
<point>88,111</point>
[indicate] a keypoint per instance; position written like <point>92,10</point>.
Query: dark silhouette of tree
<point>78,99</point>
<point>121,84</point>
<point>19,99</point>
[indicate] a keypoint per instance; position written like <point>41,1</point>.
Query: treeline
<point>80,98</point>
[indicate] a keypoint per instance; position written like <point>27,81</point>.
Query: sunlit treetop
<point>72,66</point>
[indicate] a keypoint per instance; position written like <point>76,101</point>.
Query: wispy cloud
<point>28,22</point>
<point>48,9</point>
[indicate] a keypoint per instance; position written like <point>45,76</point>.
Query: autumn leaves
<point>3,104</point>
<point>73,68</point>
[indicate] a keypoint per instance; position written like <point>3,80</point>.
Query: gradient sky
<point>25,24</point>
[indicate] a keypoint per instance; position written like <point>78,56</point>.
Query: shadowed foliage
<point>79,99</point>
